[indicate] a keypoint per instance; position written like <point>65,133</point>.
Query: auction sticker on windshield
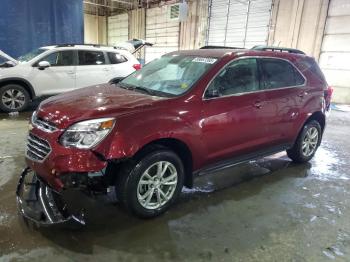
<point>206,60</point>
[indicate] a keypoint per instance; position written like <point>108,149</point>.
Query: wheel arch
<point>319,117</point>
<point>174,144</point>
<point>179,147</point>
<point>19,81</point>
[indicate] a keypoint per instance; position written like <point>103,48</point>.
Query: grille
<point>44,125</point>
<point>37,149</point>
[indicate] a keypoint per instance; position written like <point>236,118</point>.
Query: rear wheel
<point>150,186</point>
<point>13,98</point>
<point>307,143</point>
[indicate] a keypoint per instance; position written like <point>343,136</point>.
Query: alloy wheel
<point>13,99</point>
<point>310,142</point>
<point>157,185</point>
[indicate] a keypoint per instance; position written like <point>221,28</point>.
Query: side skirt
<point>240,159</point>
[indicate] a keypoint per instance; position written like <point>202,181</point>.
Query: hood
<point>6,56</point>
<point>99,101</point>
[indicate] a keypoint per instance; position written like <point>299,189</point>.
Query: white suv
<point>56,69</point>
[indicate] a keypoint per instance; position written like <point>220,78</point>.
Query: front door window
<point>241,76</point>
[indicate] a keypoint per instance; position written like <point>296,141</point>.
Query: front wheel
<point>307,143</point>
<point>13,98</point>
<point>150,186</point>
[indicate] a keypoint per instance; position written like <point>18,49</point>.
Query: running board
<point>240,160</point>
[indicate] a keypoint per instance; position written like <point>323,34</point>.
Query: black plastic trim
<point>241,159</point>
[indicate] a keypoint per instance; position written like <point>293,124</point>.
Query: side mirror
<point>212,93</point>
<point>43,64</point>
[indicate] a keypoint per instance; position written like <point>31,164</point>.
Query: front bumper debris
<point>40,204</point>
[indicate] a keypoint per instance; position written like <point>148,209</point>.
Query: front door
<point>234,111</point>
<point>58,78</point>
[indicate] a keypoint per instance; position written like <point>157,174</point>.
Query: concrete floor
<point>268,210</point>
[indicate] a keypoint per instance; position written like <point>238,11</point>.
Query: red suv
<point>184,114</point>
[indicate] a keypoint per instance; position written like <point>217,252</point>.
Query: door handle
<point>105,69</point>
<point>258,104</point>
<point>70,72</point>
<point>302,94</point>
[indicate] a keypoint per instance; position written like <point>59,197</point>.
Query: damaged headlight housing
<point>87,134</point>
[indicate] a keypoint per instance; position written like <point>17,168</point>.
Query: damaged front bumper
<point>40,204</point>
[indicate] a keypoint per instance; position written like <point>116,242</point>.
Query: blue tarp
<point>29,24</point>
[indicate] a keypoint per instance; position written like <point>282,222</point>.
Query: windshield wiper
<point>126,86</point>
<point>141,88</point>
<point>146,90</point>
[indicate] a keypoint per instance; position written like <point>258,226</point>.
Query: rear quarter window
<point>116,58</point>
<point>309,64</point>
<point>278,73</point>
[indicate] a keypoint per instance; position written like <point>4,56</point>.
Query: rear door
<point>92,68</point>
<point>284,90</point>
<point>59,77</point>
<point>233,121</point>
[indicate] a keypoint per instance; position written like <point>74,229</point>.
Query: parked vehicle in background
<point>56,69</point>
<point>185,114</point>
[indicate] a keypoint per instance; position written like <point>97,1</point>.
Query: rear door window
<point>116,58</point>
<point>91,58</point>
<point>278,73</point>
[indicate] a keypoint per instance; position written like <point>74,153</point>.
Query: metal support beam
<point>108,6</point>
<point>121,2</point>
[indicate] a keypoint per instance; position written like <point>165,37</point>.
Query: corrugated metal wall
<point>335,52</point>
<point>118,29</point>
<point>241,23</point>
<point>162,31</point>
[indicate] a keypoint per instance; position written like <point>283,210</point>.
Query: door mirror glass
<point>43,64</point>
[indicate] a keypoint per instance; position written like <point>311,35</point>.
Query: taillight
<point>330,91</point>
<point>137,66</point>
<point>328,96</point>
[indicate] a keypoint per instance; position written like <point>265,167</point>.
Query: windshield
<point>2,60</point>
<point>29,56</point>
<point>170,75</point>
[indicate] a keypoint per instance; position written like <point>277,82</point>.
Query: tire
<point>132,193</point>
<point>13,98</point>
<point>299,153</point>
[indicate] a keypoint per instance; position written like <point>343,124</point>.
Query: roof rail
<point>93,45</point>
<point>219,47</point>
<point>74,44</point>
<point>276,48</point>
